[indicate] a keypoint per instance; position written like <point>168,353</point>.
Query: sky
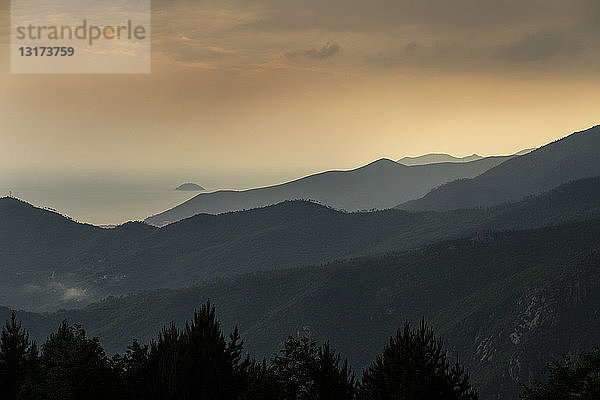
<point>254,92</point>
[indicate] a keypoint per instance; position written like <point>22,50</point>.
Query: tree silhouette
<point>14,354</point>
<point>163,364</point>
<point>414,366</point>
<point>293,368</point>
<point>132,368</point>
<point>302,370</point>
<point>333,378</point>
<point>262,382</point>
<point>212,368</point>
<point>573,377</point>
<point>197,362</point>
<point>75,367</point>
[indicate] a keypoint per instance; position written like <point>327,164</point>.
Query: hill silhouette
<point>573,157</point>
<point>435,158</point>
<point>54,262</point>
<point>378,185</point>
<point>506,301</point>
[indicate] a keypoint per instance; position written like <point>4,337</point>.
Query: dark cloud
<point>467,35</point>
<point>457,35</point>
<point>539,46</point>
<point>439,55</point>
<point>327,51</point>
<point>550,49</point>
<point>377,15</point>
<point>589,14</point>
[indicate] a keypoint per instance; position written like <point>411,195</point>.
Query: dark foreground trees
<point>414,366</point>
<point>194,363</point>
<point>573,377</point>
<point>302,371</point>
<point>199,362</point>
<point>15,353</point>
<point>72,366</point>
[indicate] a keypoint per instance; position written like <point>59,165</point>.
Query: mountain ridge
<point>434,158</point>
<point>482,293</point>
<point>47,263</point>
<point>572,157</point>
<point>377,185</point>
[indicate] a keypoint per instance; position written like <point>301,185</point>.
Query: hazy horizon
<point>245,95</point>
<point>115,196</point>
<point>276,85</point>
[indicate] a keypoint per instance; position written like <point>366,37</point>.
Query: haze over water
<point>102,202</point>
<point>115,197</point>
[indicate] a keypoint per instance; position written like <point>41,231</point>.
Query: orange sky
<point>313,85</point>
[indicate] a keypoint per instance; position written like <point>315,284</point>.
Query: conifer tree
<point>14,352</point>
<point>304,371</point>
<point>414,366</point>
<point>163,370</point>
<point>262,382</point>
<point>294,368</point>
<point>198,362</point>
<point>573,377</point>
<point>333,378</point>
<point>210,364</point>
<point>33,376</point>
<point>75,367</point>
<point>132,369</point>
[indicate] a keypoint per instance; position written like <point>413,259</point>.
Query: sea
<point>110,198</point>
<point>101,203</point>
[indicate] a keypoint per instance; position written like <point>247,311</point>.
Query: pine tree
<point>75,367</point>
<point>333,378</point>
<point>304,371</point>
<point>14,352</point>
<point>33,376</point>
<point>132,368</point>
<point>573,377</point>
<point>163,366</point>
<point>414,366</point>
<point>262,382</point>
<point>198,362</point>
<point>294,369</point>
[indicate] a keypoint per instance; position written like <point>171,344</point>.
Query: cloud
<point>538,46</point>
<point>468,35</point>
<point>448,36</point>
<point>66,293</point>
<point>383,15</point>
<point>76,294</point>
<point>327,51</point>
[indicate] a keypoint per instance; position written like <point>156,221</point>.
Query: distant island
<point>190,187</point>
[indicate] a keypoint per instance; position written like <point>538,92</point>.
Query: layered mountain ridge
<point>379,185</point>
<point>573,157</point>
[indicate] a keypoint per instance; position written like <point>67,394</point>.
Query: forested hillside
<point>497,298</point>
<point>50,262</point>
